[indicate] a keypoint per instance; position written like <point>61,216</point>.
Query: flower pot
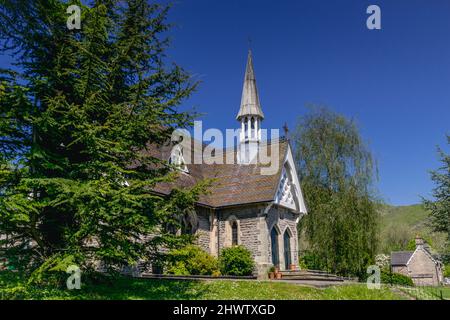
<point>278,275</point>
<point>292,267</point>
<point>271,275</point>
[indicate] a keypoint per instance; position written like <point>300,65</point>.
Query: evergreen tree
<point>76,119</point>
<point>440,207</point>
<point>336,172</point>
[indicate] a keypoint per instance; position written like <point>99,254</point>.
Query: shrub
<point>396,278</point>
<point>236,261</point>
<point>311,261</point>
<point>192,260</point>
<point>447,270</point>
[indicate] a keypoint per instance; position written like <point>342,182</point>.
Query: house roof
<point>400,258</point>
<point>232,184</point>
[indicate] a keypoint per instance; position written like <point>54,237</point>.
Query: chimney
<point>419,241</point>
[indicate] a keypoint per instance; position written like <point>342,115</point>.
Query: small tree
<point>236,261</point>
<point>439,207</point>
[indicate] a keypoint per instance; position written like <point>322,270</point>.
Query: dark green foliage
<point>412,243</point>
<point>309,260</point>
<point>396,279</point>
<point>439,207</point>
<point>75,123</point>
<point>236,261</point>
<point>336,170</point>
<point>192,260</point>
<point>447,270</point>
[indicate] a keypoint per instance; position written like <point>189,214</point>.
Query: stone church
<point>245,206</point>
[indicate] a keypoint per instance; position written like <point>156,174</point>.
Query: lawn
<point>428,293</point>
<point>11,287</point>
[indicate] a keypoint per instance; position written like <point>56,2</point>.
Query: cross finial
<point>286,130</point>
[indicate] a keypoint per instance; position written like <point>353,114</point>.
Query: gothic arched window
<point>234,233</point>
<point>252,126</point>
<point>246,127</point>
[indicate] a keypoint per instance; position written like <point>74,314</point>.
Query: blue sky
<point>395,82</point>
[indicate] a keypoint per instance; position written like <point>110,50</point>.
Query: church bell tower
<point>250,116</point>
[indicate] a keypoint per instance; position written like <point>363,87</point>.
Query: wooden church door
<point>287,250</point>
<point>275,254</point>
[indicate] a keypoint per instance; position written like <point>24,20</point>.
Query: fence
<point>424,292</point>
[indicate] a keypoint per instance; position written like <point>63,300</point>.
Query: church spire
<point>250,115</point>
<point>250,106</point>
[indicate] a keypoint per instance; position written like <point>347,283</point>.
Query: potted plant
<point>292,267</point>
<point>272,272</point>
<point>278,275</point>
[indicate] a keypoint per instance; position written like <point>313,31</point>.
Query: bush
<point>396,278</point>
<point>311,261</point>
<point>236,261</point>
<point>192,260</point>
<point>447,270</point>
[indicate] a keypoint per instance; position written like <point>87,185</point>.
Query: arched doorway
<point>275,252</point>
<point>287,249</point>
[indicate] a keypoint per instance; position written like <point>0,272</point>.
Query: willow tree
<point>336,172</point>
<point>77,115</point>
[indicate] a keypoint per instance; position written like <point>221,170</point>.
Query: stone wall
<point>204,229</point>
<point>254,226</point>
<point>422,269</point>
<point>250,228</point>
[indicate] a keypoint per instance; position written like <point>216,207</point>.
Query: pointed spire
<point>250,105</point>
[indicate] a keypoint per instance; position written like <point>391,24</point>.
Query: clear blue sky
<point>394,82</point>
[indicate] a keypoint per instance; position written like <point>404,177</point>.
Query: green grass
<point>413,215</point>
<point>11,287</point>
<point>427,293</point>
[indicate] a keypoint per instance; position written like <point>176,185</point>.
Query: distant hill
<point>400,224</point>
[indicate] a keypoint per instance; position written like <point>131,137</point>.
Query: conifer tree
<point>439,207</point>
<point>76,117</point>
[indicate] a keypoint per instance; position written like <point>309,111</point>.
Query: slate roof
<point>233,184</point>
<point>400,258</point>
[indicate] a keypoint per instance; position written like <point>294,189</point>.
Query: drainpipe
<point>266,210</point>
<point>218,233</point>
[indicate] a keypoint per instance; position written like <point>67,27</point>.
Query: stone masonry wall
<point>422,269</point>
<point>204,229</point>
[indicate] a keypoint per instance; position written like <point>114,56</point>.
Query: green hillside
<point>400,224</point>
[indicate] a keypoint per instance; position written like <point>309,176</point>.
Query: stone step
<point>311,275</point>
<point>312,278</point>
